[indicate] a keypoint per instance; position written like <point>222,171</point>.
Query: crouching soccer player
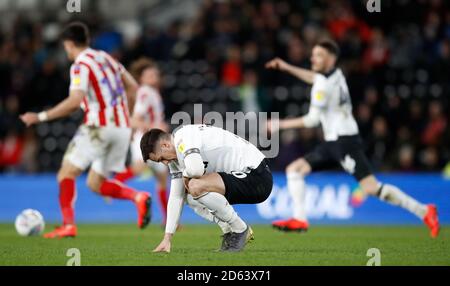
<point>212,169</point>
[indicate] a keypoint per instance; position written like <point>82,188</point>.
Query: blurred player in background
<point>331,107</point>
<point>148,113</point>
<point>100,85</point>
<point>214,168</point>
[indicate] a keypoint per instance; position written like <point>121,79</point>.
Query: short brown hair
<point>149,141</point>
<point>331,46</point>
<point>140,65</point>
<point>76,32</point>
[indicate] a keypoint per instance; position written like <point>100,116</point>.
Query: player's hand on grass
<point>277,64</point>
<point>164,246</point>
<point>29,118</point>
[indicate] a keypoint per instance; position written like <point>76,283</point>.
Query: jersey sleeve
<point>79,78</point>
<point>319,95</point>
<point>175,172</point>
<point>188,140</point>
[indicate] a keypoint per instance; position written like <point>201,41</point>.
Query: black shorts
<point>346,152</point>
<point>252,187</point>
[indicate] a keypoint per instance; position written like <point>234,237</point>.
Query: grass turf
<point>195,244</point>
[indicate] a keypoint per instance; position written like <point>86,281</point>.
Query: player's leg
<point>209,190</point>
<point>77,158</point>
<point>161,174</point>
<point>67,175</point>
<point>137,164</point>
<point>295,173</point>
<point>355,162</point>
<point>318,159</point>
<point>394,196</point>
<point>204,212</point>
<point>112,161</point>
<point>218,191</point>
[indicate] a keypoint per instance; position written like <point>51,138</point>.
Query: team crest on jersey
<point>181,148</point>
<point>77,80</point>
<point>319,96</point>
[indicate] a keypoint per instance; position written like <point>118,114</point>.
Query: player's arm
<point>310,120</point>
<point>64,108</point>
<point>319,99</point>
<point>300,73</point>
<point>189,145</point>
<point>131,88</point>
<point>174,209</point>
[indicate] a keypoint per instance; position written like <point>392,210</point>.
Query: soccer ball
<point>30,223</point>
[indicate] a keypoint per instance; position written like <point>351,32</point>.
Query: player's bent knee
<point>197,188</point>
<point>67,172</point>
<point>370,186</point>
<point>94,183</point>
<point>370,190</point>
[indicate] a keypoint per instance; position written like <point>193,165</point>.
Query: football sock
<point>125,175</point>
<point>220,208</point>
<point>67,198</point>
<point>296,187</point>
<point>202,211</point>
<point>117,190</point>
<point>162,195</point>
<point>396,197</point>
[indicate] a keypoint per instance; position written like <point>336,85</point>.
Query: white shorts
<point>136,154</point>
<point>103,148</point>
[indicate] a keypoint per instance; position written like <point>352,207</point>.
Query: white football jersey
<point>331,95</point>
<point>100,76</point>
<point>221,150</point>
<point>149,105</point>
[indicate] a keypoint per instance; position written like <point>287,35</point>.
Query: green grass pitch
<point>195,244</point>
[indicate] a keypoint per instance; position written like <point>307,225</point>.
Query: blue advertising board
<point>331,198</point>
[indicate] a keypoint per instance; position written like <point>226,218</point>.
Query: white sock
<point>296,187</point>
<point>221,209</point>
<point>204,212</point>
<point>396,197</point>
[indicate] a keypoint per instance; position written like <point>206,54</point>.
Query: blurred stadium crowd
<point>397,63</point>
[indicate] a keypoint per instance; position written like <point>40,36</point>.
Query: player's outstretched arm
<point>64,108</point>
<point>300,73</point>
<point>312,119</point>
<point>174,208</point>
<point>275,125</point>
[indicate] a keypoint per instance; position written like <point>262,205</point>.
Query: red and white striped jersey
<point>100,77</point>
<point>149,105</point>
